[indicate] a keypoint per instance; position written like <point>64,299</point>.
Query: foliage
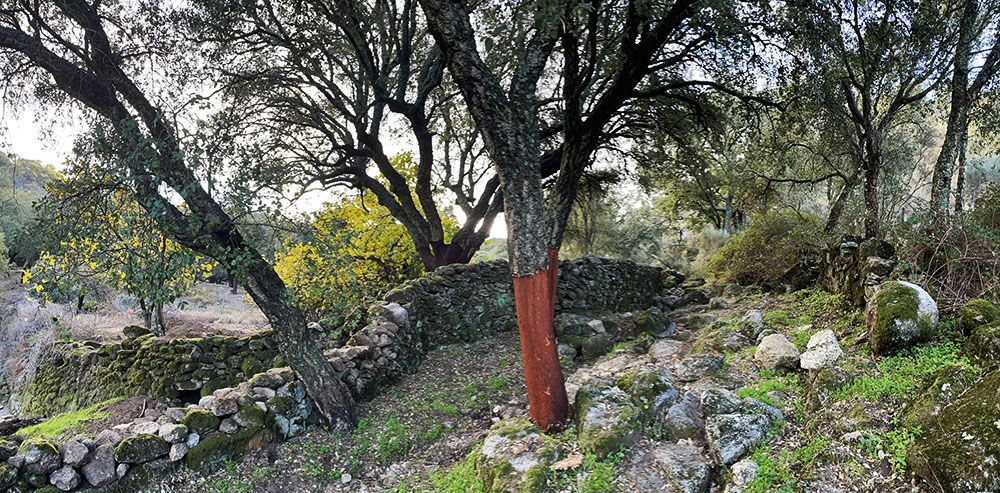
<point>460,478</point>
<point>4,257</point>
<point>771,382</point>
<point>68,423</point>
<point>893,444</point>
<point>106,237</point>
<point>779,474</point>
<point>354,251</point>
<point>902,374</point>
<point>770,246</point>
<point>958,262</point>
<point>22,182</point>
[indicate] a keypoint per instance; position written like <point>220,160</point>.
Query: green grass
<point>772,382</point>
<point>460,478</point>
<point>68,423</point>
<point>892,443</point>
<point>780,474</point>
<point>900,375</point>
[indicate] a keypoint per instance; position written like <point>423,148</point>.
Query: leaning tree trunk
<point>960,181</point>
<point>837,211</point>
<point>300,346</point>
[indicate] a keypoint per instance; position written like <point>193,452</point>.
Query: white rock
<point>149,427</point>
<point>74,453</point>
<point>65,478</point>
<point>822,350</point>
<point>192,440</point>
<point>173,433</point>
<point>775,352</point>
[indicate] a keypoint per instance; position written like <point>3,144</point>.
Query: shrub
<point>4,257</point>
<point>766,250</point>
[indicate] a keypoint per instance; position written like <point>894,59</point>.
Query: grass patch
<point>772,382</point>
<point>900,375</point>
<point>460,478</point>
<point>780,474</point>
<point>891,444</point>
<point>593,476</point>
<point>68,423</point>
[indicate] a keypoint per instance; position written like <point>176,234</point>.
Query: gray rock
<point>39,457</point>
<point>606,419</point>
<point>740,475</point>
<point>566,352</point>
<point>177,452</point>
<point>665,350</point>
<point>65,478</point>
<point>192,440</point>
<point>731,436</point>
<point>900,315</point>
<point>683,421</point>
<point>720,401</point>
<point>775,352</point>
<point>121,470</point>
<point>673,467</point>
<point>145,428</point>
<point>101,468</point>
<point>173,433</point>
<point>74,452</point>
<point>228,426</point>
<point>223,406</point>
<point>698,366</point>
<point>752,324</point>
<point>821,351</point>
<point>512,454</point>
<point>718,304</point>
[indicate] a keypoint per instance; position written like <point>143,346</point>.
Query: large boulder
<point>698,366</point>
<point>900,315</point>
<point>682,421</point>
<point>977,313</point>
<point>651,390</point>
<point>606,419</point>
<point>959,447</point>
<point>775,352</point>
<point>515,456</point>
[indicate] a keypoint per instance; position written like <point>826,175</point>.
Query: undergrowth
<point>900,375</point>
<point>68,423</point>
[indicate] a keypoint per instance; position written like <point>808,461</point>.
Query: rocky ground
<point>740,392</point>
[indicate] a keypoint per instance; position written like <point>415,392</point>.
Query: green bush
<point>766,250</point>
<point>4,257</point>
<point>987,209</point>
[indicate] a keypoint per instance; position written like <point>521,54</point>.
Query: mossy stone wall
<point>78,374</point>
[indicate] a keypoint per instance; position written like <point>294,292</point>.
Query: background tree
<point>97,233</point>
<point>870,63</point>
<point>975,66</point>
<point>64,49</point>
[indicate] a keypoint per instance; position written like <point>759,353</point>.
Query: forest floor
<point>837,436</point>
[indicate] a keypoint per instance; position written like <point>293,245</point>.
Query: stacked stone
<point>856,267</point>
<point>227,422</point>
<point>80,374</point>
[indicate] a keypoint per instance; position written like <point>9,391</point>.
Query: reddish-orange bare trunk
<point>534,297</point>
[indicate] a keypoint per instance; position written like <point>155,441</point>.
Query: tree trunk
<point>79,301</point>
<point>233,285</point>
<point>871,200</point>
<point>160,329</point>
<point>960,181</point>
<point>958,115</point>
<point>840,204</point>
<point>300,346</point>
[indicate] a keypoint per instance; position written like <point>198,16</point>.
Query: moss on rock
<point>201,421</point>
<point>977,313</point>
<point>515,457</point>
<point>984,344</point>
<point>210,453</point>
<point>960,445</point>
<point>651,391</point>
<point>894,319</point>
<point>141,448</point>
<point>606,420</point>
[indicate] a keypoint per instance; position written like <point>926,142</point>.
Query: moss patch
<point>978,312</point>
<point>201,421</point>
<point>67,424</point>
<point>213,450</point>
<point>893,320</point>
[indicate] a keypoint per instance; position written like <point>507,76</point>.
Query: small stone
<point>223,406</point>
<point>177,452</point>
<point>145,428</point>
<point>821,351</point>
<point>121,470</point>
<point>346,478</point>
<point>228,426</point>
<point>192,440</point>
<point>173,433</point>
<point>65,478</point>
<point>74,453</point>
<point>566,352</point>
<point>718,304</point>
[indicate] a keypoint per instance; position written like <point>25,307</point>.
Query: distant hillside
<point>22,182</point>
<point>23,175</point>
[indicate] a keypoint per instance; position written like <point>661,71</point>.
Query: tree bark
<point>960,181</point>
<point>872,229</point>
<point>841,203</point>
<point>958,115</point>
